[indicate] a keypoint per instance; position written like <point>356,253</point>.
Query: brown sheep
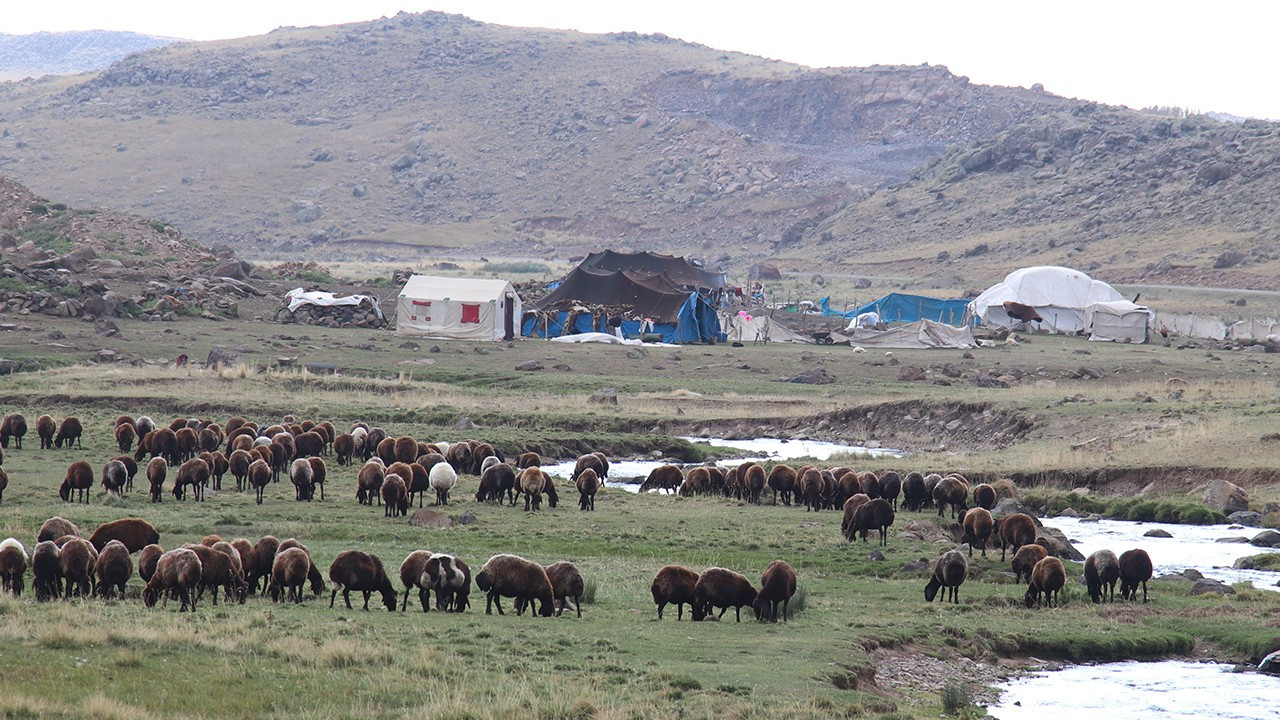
<point>301,474</point>
<point>13,566</point>
<point>663,477</point>
<point>264,554</point>
<point>147,560</point>
<point>530,459</point>
<point>79,479</point>
<point>914,495</point>
<point>259,477</point>
<point>178,424</point>
<point>238,464</point>
<point>157,469</point>
<point>395,496</point>
<point>875,514</point>
<point>289,573</point>
<point>869,484</point>
<point>480,453</point>
<point>248,560</point>
<point>1101,572</point>
<point>187,443</point>
<point>1014,531</point>
<point>891,488</point>
<point>357,570</point>
<point>846,486</point>
<point>311,444</point>
<point>219,571</point>
<point>588,483</point>
<point>208,440</point>
<point>949,573</point>
<point>674,585</point>
<point>590,460</point>
<point>218,466</point>
<point>56,527</point>
<point>451,579</point>
<point>459,457</point>
<point>13,426</point>
<point>984,496</point>
<point>46,571</point>
<point>193,472</point>
<point>497,481</point>
<point>369,482</point>
<point>75,560</point>
<point>4,483</point>
<point>372,439</point>
<point>514,577</point>
<point>532,482</point>
<point>566,582</point>
<point>950,490</point>
<point>415,563</point>
<point>131,470</point>
<point>977,524</point>
<point>1047,579</point>
<point>603,471</point>
<point>731,486</point>
<point>281,449</point>
<point>753,482</point>
<point>717,477</point>
<point>134,533</point>
<point>721,588</point>
<point>851,505</point>
<point>344,448</point>
<point>211,540</point>
<point>125,435</point>
<point>777,585</point>
<point>178,572</point>
<point>1135,569</point>
<point>811,489</point>
<point>782,480</point>
<point>930,482</point>
<point>319,473</point>
<point>46,428</point>
<point>114,567</point>
<point>1024,561</point>
<point>114,476</point>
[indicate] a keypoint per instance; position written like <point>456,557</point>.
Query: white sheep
<point>442,479</point>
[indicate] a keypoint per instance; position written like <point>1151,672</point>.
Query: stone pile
<point>364,315</point>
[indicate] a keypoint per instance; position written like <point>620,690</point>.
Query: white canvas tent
<point>1059,295</point>
<point>1118,321</point>
<point>458,308</point>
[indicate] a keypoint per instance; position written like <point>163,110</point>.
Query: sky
<point>1215,57</point>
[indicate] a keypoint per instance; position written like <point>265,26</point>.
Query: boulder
<point>1209,585</point>
<point>1270,663</point>
<point>875,556</point>
<point>235,269</point>
<point>916,566</point>
<point>1266,538</point>
<point>464,423</point>
<point>1248,518</point>
<point>1009,506</point>
<point>911,373</point>
<point>530,366</point>
<point>814,376</point>
<point>467,518</point>
<point>604,396</point>
<point>430,518</point>
<point>1157,533</point>
<point>1059,544</point>
<point>222,357</point>
<point>1225,497</point>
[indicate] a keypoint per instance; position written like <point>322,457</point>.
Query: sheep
<point>782,480</point>
<point>369,482</point>
<point>411,576</point>
<point>663,477</point>
<point>777,585</point>
<point>948,574</point>
<point>372,441</point>
<point>717,477</point>
<point>1014,531</point>
<point>531,459</point>
<point>875,514</point>
<point>1101,572</point>
<point>532,482</point>
<point>218,466</point>
<point>13,426</point>
<point>848,525</point>
<point>79,479</point>
<point>211,540</point>
<point>163,443</point>
<point>566,582</point>
<point>308,444</point>
<point>238,464</point>
<point>300,474</point>
<point>259,477</point>
<point>811,489</point>
<point>1024,561</point>
<point>488,463</point>
<point>952,491</point>
<point>187,441</point>
<point>674,585</point>
<point>208,439</point>
<point>133,533</point>
<point>114,567</point>
<point>56,527</point>
<point>459,456</point>
<point>498,480</point>
<point>4,483</point>
<point>753,482</point>
<point>13,566</point>
<point>984,496</point>
<point>442,479</point>
<point>480,453</point>
<point>125,435</point>
<point>731,487</point>
<point>514,577</point>
<point>147,560</point>
<point>930,482</point>
<point>46,428</point>
<point>914,494</point>
<point>264,554</point>
<point>451,579</point>
<point>891,487</point>
<point>281,454</point>
<point>977,524</point>
<point>75,561</point>
<point>344,448</point>
<point>1135,569</point>
<point>131,470</point>
<point>288,573</point>
<point>721,588</point>
<point>248,559</point>
<point>46,571</point>
<point>869,484</point>
<point>178,572</point>
<point>178,424</point>
<point>846,485</point>
<point>590,460</point>
<point>395,496</point>
<point>193,472</point>
<point>588,483</point>
<point>219,571</point>
<point>357,570</point>
<point>1047,580</point>
<point>319,473</point>
<point>114,476</point>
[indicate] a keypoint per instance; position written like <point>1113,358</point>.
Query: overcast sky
<point>1218,56</point>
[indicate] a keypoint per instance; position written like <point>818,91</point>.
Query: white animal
<point>442,479</point>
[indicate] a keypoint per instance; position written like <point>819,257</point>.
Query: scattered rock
<point>467,518</point>
<point>222,357</point>
<point>1209,585</point>
<point>1157,533</point>
<point>915,566</point>
<point>409,345</point>
<point>430,518</point>
<point>911,373</point>
<point>814,376</point>
<point>1248,518</point>
<point>464,423</point>
<point>1225,497</point>
<point>875,556</point>
<point>1009,506</point>
<point>1266,538</point>
<point>1270,663</point>
<point>637,353</point>
<point>1060,545</point>
<point>530,366</point>
<point>1237,540</point>
<point>604,396</point>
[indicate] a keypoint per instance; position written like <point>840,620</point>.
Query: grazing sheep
<point>1014,531</point>
<point>344,448</point>
<point>930,482</point>
<point>875,514</point>
<point>300,474</point>
<point>75,561</point>
<point>193,472</point>
<point>218,466</point>
<point>395,496</point>
<point>373,441</point>
<point>264,554</point>
<point>362,571</point>
<point>588,483</point>
<point>163,443</point>
<point>238,464</point>
<point>1101,572</point>
<point>442,479</point>
<point>133,533</point>
<point>497,481</point>
<point>403,449</point>
<point>663,477</point>
<point>178,572</point>
<point>281,454</point>
<point>115,475</point>
<point>114,567</point>
<point>950,490</point>
<point>891,487</point>
<point>240,585</point>
<point>259,477</point>
<point>848,525</point>
<point>1047,579</point>
<point>777,585</point>
<point>532,482</point>
<point>4,483</point>
<point>697,481</point>
<point>79,479</point>
<point>1024,561</point>
<point>753,483</point>
<point>948,573</point>
<point>984,496</point>
<point>549,487</point>
<point>188,442</point>
<point>369,482</point>
<point>731,486</point>
<point>451,579</point>
<point>125,435</point>
<point>488,463</point>
<point>319,473</point>
<point>46,570</point>
<point>411,570</point>
<point>248,560</point>
<point>219,571</point>
<point>56,527</point>
<point>977,524</point>
<point>721,588</point>
<point>811,489</point>
<point>131,470</point>
<point>869,484</point>
<point>674,585</point>
<point>417,479</point>
<point>13,426</point>
<point>13,566</point>
<point>530,459</point>
<point>147,560</point>
<point>459,456</point>
<point>782,480</point>
<point>1135,569</point>
<point>208,439</point>
<point>289,573</point>
<point>590,460</point>
<point>514,577</point>
<point>46,428</point>
<point>566,582</point>
<point>914,495</point>
<point>312,444</point>
<point>847,486</point>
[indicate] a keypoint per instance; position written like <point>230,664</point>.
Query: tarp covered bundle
<point>1118,321</point>
<point>458,308</point>
<point>1059,295</point>
<point>902,307</point>
<point>915,335</point>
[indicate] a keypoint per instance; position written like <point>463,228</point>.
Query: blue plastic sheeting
<point>696,322</point>
<point>900,307</point>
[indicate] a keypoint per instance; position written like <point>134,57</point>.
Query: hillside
<point>60,53</point>
<point>433,132</point>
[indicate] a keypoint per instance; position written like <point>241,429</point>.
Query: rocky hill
<point>79,51</point>
<point>429,133</point>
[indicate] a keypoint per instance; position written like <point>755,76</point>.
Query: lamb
<point>147,560</point>
<point>891,487</point>
<point>264,554</point>
<point>498,480</point>
<point>369,482</point>
<point>13,566</point>
<point>950,490</point>
<point>848,525</point>
<point>133,533</point>
<point>79,479</point>
<point>566,582</point>
<point>125,435</point>
<point>663,477</point>
<point>357,570</point>
<point>56,527</point>
<point>75,561</point>
<point>193,472</point>
<point>674,585</point>
<point>753,481</point>
<point>395,496</point>
<point>288,573</point>
<point>259,477</point>
<point>157,469</point>
<point>777,585</point>
<point>319,472</point>
<point>46,428</point>
<point>1135,569</point>
<point>300,474</point>
<point>1014,530</point>
<point>721,588</point>
<point>178,572</point>
<point>514,577</point>
<point>13,426</point>
<point>977,524</point>
<point>948,574</point>
<point>1047,579</point>
<point>875,514</point>
<point>114,476</point>
<point>443,479</point>
<point>114,567</point>
<point>1024,561</point>
<point>451,579</point>
<point>46,570</point>
<point>588,483</point>
<point>532,482</point>
<point>984,496</point>
<point>811,489</point>
<point>1101,572</point>
<point>411,570</point>
<point>782,480</point>
<point>914,494</point>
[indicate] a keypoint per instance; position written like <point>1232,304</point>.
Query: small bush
<point>13,284</point>
<point>58,207</point>
<point>39,208</point>
<point>799,602</point>
<point>159,227</point>
<point>69,291</point>
<point>520,268</point>
<point>318,277</point>
<point>956,698</point>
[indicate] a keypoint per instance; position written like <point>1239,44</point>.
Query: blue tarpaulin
<point>697,321</point>
<point>900,307</point>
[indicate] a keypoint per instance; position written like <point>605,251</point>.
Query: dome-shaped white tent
<point>1058,294</point>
